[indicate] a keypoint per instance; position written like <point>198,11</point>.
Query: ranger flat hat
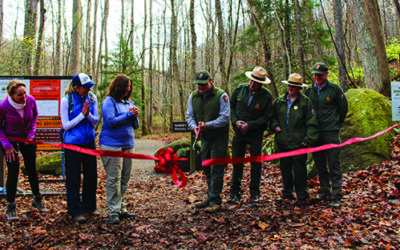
<point>259,74</point>
<point>295,80</point>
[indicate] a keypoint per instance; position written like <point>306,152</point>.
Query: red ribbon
<point>262,158</point>
<point>167,159</point>
<point>168,163</point>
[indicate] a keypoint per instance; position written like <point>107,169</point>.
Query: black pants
<point>328,165</point>
<point>239,143</point>
<point>211,149</point>
<point>297,165</point>
<point>74,162</point>
<point>28,152</point>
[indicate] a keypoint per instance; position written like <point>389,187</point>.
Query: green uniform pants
<point>294,174</point>
<point>211,149</point>
<point>331,172</point>
<point>239,143</point>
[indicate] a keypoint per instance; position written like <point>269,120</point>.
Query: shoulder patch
<point>225,98</point>
<point>341,95</point>
<point>312,111</point>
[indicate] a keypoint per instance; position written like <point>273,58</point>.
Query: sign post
<point>182,127</point>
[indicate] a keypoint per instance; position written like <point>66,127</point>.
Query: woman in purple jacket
<point>18,116</point>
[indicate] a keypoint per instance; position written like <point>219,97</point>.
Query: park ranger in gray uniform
<point>208,111</point>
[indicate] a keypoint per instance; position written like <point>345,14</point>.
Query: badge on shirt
<point>295,107</point>
<point>225,98</point>
<point>257,107</point>
<point>328,98</point>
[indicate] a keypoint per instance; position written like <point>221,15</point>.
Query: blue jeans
<point>74,163</point>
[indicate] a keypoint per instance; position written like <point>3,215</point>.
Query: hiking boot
<point>11,212</point>
<point>202,204</point>
<point>80,219</point>
<point>323,197</point>
<point>335,204</point>
<point>234,199</point>
<point>213,208</point>
<point>126,215</point>
<point>254,199</point>
<point>114,219</point>
<point>37,203</point>
<point>301,203</point>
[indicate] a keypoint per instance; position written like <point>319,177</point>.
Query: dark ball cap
<point>201,77</point>
<point>319,68</point>
<point>83,80</point>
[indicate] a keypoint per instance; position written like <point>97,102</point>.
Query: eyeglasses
<point>22,94</point>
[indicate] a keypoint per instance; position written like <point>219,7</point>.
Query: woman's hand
<point>134,110</point>
<point>10,154</point>
<point>86,108</point>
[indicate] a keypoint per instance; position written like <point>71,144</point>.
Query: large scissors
<point>196,132</point>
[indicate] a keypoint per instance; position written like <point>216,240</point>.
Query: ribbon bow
<point>168,164</point>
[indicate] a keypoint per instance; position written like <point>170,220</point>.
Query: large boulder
<point>49,164</point>
<point>182,148</point>
<point>369,113</point>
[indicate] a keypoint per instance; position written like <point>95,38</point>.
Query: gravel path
<point>143,169</point>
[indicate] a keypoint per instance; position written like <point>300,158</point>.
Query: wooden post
<point>182,127</point>
<point>192,154</point>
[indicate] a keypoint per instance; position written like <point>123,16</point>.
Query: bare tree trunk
<point>88,39</point>
<point>93,64</point>
<point>233,43</point>
<point>40,38</point>
<point>173,64</point>
<point>144,115</point>
<point>1,23</point>
<point>57,62</point>
<point>75,37</point>
<point>132,25</point>
<point>221,46</point>
<point>266,47</point>
<point>340,43</point>
<point>194,38</point>
<point>371,41</point>
<point>150,102</point>
<point>397,7</point>
<point>29,36</point>
<point>299,41</point>
<point>102,32</point>
<point>166,78</point>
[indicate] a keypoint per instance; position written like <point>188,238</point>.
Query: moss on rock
<point>369,113</point>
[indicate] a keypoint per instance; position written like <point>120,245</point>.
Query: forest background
<point>160,44</point>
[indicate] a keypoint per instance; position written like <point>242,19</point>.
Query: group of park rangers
<point>298,121</point>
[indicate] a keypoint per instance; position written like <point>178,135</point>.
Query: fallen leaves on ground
<point>166,217</point>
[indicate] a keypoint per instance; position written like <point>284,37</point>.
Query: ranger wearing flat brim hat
<point>259,74</point>
<point>295,80</point>
<point>319,68</point>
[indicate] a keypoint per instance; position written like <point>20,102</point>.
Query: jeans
<point>28,152</point>
<point>118,172</point>
<point>75,163</point>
